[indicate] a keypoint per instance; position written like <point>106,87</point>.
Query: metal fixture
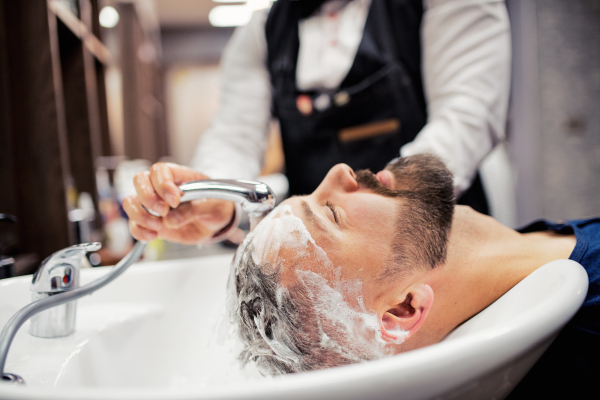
<point>256,198</point>
<point>58,273</point>
<point>56,281</point>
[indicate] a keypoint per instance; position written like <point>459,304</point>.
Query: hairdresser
<point>350,81</point>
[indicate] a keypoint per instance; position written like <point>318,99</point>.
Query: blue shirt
<point>570,368</point>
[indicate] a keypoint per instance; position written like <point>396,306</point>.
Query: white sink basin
<point>153,334</point>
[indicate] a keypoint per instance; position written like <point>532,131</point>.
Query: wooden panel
<point>93,23</point>
<point>106,148</point>
<point>80,29</point>
<point>143,112</point>
<point>36,128</point>
<point>53,121</point>
<point>131,104</point>
<point>81,110</point>
<point>160,121</point>
<point>95,79</point>
<point>8,200</point>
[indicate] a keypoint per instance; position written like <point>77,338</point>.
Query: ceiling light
<point>236,15</point>
<point>109,17</point>
<point>223,16</point>
<point>259,4</point>
<point>241,1</point>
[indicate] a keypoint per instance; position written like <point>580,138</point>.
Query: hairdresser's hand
<point>158,190</point>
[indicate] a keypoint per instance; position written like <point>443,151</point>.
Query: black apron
<point>379,107</point>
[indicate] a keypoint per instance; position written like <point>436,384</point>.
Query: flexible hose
<point>13,325</point>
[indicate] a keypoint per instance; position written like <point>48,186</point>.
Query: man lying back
<point>369,266</point>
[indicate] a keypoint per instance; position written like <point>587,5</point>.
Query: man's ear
<point>403,319</point>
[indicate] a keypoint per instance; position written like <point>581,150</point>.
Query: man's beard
<point>367,180</point>
<point>425,197</point>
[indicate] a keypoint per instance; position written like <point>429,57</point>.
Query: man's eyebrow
<point>310,215</point>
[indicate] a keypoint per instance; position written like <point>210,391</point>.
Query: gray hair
<point>281,327</point>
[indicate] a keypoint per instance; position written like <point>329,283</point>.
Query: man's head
<point>333,278</point>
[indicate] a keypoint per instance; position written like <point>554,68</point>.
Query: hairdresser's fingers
<point>214,214</point>
<point>147,195</point>
<point>192,233</point>
<point>141,233</point>
<point>139,215</point>
<point>166,178</point>
<point>180,216</point>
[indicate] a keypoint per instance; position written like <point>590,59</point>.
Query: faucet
<point>58,273</point>
<point>55,285</point>
<point>256,198</point>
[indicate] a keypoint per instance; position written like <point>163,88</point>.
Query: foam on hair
<point>282,231</point>
<point>309,322</point>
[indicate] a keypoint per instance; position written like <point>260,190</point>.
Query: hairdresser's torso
<point>346,83</point>
<point>365,114</point>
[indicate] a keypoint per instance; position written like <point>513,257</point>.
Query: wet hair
<point>282,326</point>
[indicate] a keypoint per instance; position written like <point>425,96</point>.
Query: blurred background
<point>94,91</point>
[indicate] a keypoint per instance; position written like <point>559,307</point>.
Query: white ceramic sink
<point>154,334</point>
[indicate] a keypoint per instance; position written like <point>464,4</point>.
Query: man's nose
<point>340,177</point>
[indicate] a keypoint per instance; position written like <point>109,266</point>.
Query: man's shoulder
<point>591,224</point>
<point>587,232</point>
<point>587,249</point>
<point>587,253</point>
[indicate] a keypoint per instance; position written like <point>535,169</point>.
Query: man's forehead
<point>283,229</point>
<point>303,208</point>
<point>287,240</point>
<point>295,202</point>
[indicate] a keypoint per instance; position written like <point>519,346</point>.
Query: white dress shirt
<point>329,41</point>
<point>466,74</point>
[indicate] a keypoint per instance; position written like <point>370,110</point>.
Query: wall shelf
<point>81,30</point>
<point>53,120</point>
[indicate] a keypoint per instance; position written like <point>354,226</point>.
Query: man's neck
<point>485,259</point>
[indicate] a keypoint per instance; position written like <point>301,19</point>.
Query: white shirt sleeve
<point>466,73</point>
<point>234,144</point>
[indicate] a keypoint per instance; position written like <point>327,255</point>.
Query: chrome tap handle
<point>255,197</point>
<point>60,271</point>
<point>57,274</point>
